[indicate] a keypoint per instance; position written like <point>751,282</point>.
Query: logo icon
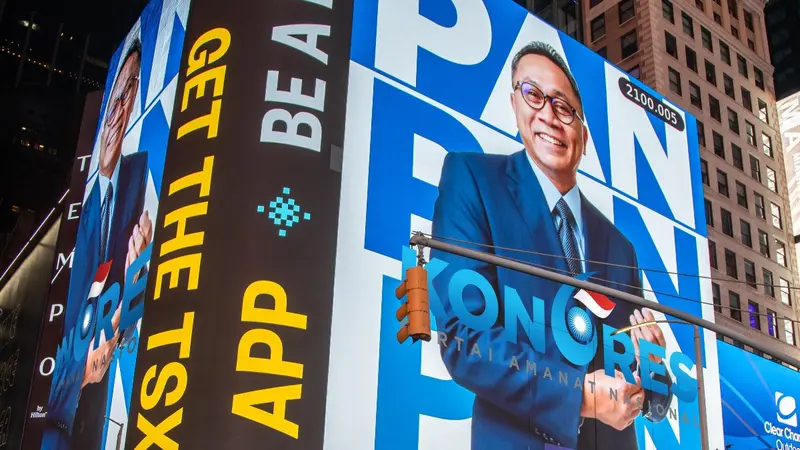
<point>284,212</point>
<point>787,409</point>
<point>578,320</point>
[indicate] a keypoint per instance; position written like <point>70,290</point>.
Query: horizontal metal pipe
<point>489,258</point>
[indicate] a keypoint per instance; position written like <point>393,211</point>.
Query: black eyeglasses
<point>536,99</point>
<point>116,103</point>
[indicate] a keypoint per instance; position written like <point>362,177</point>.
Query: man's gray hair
<point>546,50</point>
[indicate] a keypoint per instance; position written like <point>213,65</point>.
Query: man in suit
<point>530,201</point>
<point>115,229</point>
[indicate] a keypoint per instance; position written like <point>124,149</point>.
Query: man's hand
<point>139,240</point>
<point>598,403</point>
<point>98,360</point>
<point>650,333</point>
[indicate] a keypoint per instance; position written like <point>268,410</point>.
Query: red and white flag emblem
<point>100,278</point>
<point>600,305</point>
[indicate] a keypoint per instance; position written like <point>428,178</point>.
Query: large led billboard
<point>90,391</point>
<point>759,401</point>
<point>307,141</point>
<point>487,128</point>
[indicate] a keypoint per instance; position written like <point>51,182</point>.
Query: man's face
<point>556,147</point>
<point>118,112</point>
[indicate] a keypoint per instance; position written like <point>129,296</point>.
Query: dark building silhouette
<point>783,31</point>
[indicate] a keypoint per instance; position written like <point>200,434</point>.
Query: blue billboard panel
<point>488,128</point>
<point>759,401</point>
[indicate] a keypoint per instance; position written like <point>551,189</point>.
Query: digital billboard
<point>90,392</point>
<point>759,401</point>
<point>487,128</point>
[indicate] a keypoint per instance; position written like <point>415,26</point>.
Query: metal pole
<point>83,64</point>
<point>55,54</point>
<point>24,55</point>
<point>701,388</point>
<point>588,285</point>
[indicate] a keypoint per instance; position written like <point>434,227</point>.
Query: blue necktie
<point>566,228</point>
<point>105,218</point>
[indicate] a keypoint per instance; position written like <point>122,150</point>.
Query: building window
<point>701,133</point>
<point>766,144</point>
<point>750,130</point>
<point>626,11</point>
<point>705,35</point>
<point>691,59</point>
<point>769,284</point>
<point>741,194</point>
<point>759,76</point>
<point>736,152</point>
<point>788,331</point>
<point>735,32</point>
<point>629,44</point>
<point>755,169</point>
<point>747,237</point>
<point>712,253</point>
<point>699,4</point>
<point>674,81</point>
<point>598,27</point>
<point>711,73</point>
<point>667,10</point>
<point>727,222</point>
<point>758,199</point>
<point>672,45</point>
<point>786,294</point>
<point>709,213</point>
<point>772,323</point>
<point>748,21</point>
<point>602,51</point>
<point>762,111</point>
<point>750,274</point>
<point>719,145</point>
<point>755,317</point>
<point>777,219</point>
<point>735,306</point>
<point>704,172</point>
<point>747,101</point>
<point>635,72</point>
<point>688,24</point>
<point>728,83</point>
<point>716,296</point>
<point>763,243</point>
<point>742,63</point>
<point>733,8</point>
<point>725,53</point>
<point>780,252</point>
<point>730,264</point>
<point>695,96</point>
<point>772,183</point>
<point>733,121</point>
<point>717,18</point>
<point>713,105</point>
<point>751,45</point>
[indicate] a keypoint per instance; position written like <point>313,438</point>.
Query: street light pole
<point>119,433</point>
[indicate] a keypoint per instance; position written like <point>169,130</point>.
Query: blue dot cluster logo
<point>284,212</point>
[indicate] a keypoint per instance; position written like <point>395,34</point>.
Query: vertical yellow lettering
<point>157,435</point>
<point>173,267</point>
<point>199,59</point>
<point>172,370</point>
<point>182,336</point>
<point>279,315</point>
<point>246,362</point>
<point>210,121</point>
<point>244,406</point>
<point>179,217</point>
<point>217,75</point>
<point>201,178</point>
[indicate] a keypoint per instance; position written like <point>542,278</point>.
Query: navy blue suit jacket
<point>81,413</point>
<point>497,200</point>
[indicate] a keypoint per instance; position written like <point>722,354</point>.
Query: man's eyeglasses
<point>536,99</point>
<point>116,103</point>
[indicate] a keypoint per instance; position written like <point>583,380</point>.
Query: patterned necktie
<point>105,218</point>
<point>565,225</point>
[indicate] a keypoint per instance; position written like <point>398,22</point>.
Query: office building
<point>711,57</point>
<point>789,120</point>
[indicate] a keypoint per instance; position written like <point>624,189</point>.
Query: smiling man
<point>114,230</point>
<point>531,201</point>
